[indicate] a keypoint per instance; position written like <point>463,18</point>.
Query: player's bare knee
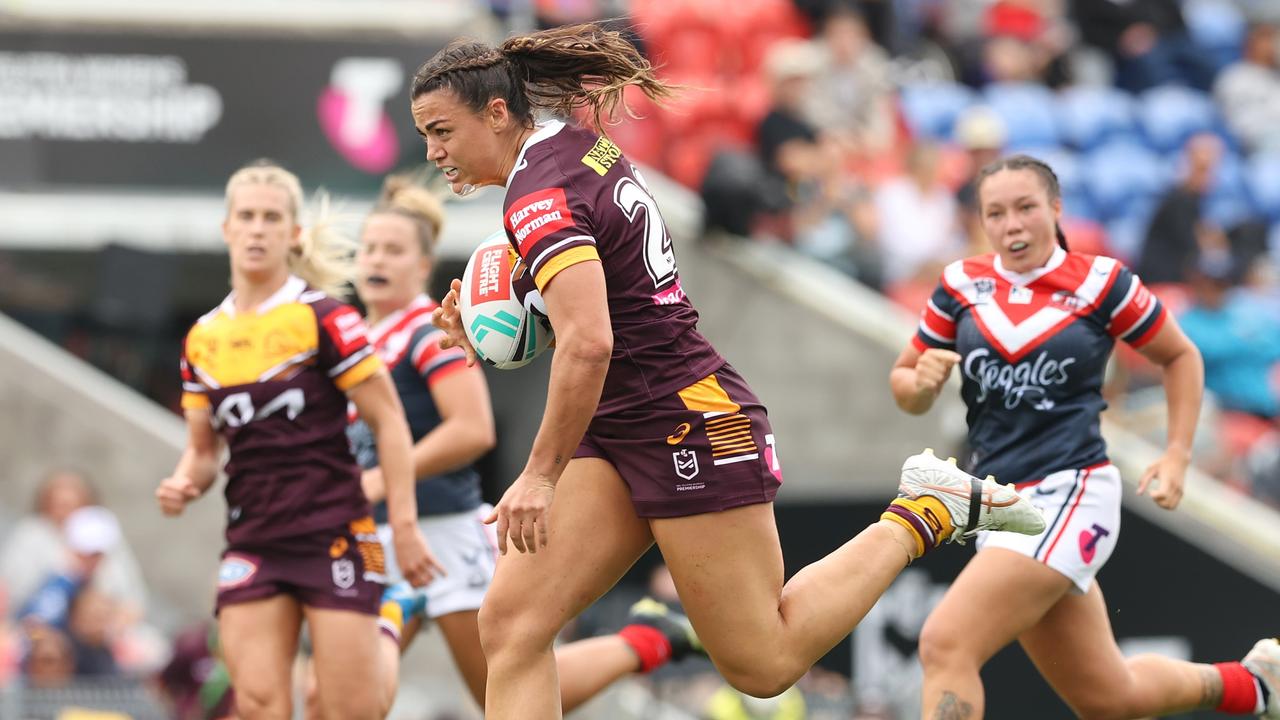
<point>260,702</point>
<point>760,684</point>
<point>761,676</point>
<point>504,631</point>
<point>940,646</point>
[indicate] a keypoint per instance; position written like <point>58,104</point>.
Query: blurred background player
<point>270,372</point>
<point>648,433</point>
<point>1032,326</point>
<point>447,406</point>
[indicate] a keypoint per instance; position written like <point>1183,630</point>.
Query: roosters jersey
<point>409,346</point>
<point>572,197</point>
<point>274,382</point>
<point>1034,348</point>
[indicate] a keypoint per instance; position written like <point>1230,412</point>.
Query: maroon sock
<point>1239,689</point>
<point>650,645</point>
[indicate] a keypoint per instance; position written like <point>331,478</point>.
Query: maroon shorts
<point>703,449</point>
<point>339,569</point>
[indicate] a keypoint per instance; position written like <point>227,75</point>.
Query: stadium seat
<point>1262,177</point>
<point>1122,178</point>
<point>1091,115</point>
<point>1172,113</point>
<point>1028,111</point>
<point>931,109</point>
<point>1126,236</point>
<point>1217,26</point>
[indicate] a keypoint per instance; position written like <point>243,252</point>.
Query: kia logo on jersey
<point>352,112</point>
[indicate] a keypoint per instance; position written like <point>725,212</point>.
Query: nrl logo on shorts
<point>686,464</point>
<point>344,573</point>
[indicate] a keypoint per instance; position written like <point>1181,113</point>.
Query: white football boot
<point>974,505</point>
<point>1264,662</point>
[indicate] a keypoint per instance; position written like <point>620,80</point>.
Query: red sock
<point>1239,689</point>
<point>650,645</point>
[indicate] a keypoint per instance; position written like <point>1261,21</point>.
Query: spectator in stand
<point>1148,40</point>
<point>90,533</point>
<point>1248,92</point>
<point>828,215</point>
<point>49,662</point>
<point>851,99</point>
<point>1238,339</point>
<point>196,682</point>
<point>1024,41</point>
<point>37,547</point>
<point>1178,230</point>
<point>917,220</point>
<point>981,133</point>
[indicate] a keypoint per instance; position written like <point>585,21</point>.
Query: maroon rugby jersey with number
<point>273,381</point>
<point>573,197</point>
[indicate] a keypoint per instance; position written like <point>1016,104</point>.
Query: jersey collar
<point>390,322</point>
<point>543,131</point>
<point>290,291</point>
<point>1023,279</point>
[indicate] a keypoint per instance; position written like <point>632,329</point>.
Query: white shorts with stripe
<point>1082,511</point>
<point>468,550</point>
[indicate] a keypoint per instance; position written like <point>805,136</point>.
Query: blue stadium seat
<point>1217,26</point>
<point>1028,113</point>
<point>1090,115</point>
<point>931,109</point>
<point>1066,165</point>
<point>1172,113</point>
<point>1122,175</point>
<point>1262,177</point>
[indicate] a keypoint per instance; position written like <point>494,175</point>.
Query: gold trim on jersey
<point>572,256</point>
<point>362,371</point>
<point>226,350</point>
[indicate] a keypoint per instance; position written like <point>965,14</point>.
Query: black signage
<point>183,112</point>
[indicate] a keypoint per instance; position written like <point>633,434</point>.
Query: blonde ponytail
<point>404,194</point>
<point>325,256</point>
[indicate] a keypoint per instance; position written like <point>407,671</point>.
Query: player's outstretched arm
<point>197,468</point>
<point>579,310</point>
<point>917,378</point>
<point>378,404</point>
<point>1183,371</point>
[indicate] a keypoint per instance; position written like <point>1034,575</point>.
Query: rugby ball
<point>502,310</point>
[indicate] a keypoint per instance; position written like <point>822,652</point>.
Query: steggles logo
<point>1027,379</point>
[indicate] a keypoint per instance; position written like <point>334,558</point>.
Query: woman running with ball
<point>648,434</point>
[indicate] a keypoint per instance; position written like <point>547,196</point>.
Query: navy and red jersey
<point>1034,347</point>
<point>274,381</point>
<point>409,346</point>
<point>573,197</point>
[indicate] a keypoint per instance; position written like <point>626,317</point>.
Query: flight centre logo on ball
<point>353,115</point>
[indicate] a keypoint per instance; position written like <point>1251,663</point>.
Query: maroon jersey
<point>573,197</point>
<point>274,382</point>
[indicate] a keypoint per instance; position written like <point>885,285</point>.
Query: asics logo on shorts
<point>677,437</point>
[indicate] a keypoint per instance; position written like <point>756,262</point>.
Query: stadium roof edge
<point>338,17</point>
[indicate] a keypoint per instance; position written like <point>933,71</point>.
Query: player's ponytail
<point>1042,170</point>
<point>404,195</point>
<point>561,70</point>
<point>324,255</point>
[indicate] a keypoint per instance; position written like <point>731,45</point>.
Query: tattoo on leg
<point>951,707</point>
<point>1210,687</point>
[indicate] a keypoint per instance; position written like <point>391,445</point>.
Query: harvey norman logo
<point>537,215</point>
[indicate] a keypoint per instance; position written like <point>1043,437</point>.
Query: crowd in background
<point>851,130</point>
